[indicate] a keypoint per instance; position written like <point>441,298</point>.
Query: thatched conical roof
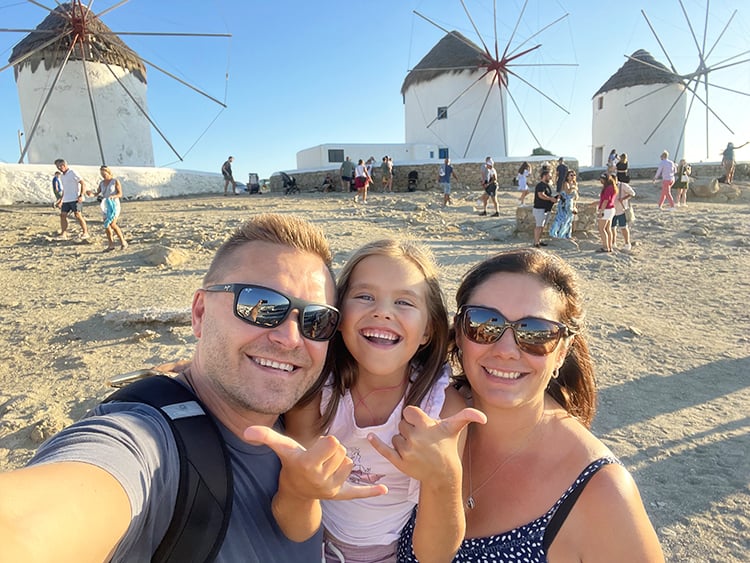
<point>633,73</point>
<point>452,51</point>
<point>102,45</point>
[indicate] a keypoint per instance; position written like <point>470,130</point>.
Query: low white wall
<point>32,183</point>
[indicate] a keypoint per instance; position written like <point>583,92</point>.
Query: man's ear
<point>198,312</point>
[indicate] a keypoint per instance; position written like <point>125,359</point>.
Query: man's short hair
<point>285,230</point>
<point>60,161</point>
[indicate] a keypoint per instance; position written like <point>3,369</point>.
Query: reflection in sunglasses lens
<point>267,308</point>
<point>535,336</point>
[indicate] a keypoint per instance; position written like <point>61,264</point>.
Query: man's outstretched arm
<point>63,512</point>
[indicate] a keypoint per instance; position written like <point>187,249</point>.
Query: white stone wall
<point>32,183</point>
<point>626,127</point>
<point>422,101</point>
<point>66,129</point>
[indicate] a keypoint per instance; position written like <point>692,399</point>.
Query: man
<point>562,173</point>
<point>489,183</point>
<point>72,199</point>
<point>347,173</point>
<point>386,170</point>
<point>543,202</point>
<point>104,488</point>
<point>444,180</point>
<point>226,171</point>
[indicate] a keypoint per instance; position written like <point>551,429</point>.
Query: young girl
<point>521,178</point>
<point>390,353</point>
<point>362,179</point>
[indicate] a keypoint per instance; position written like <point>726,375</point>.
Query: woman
<point>623,175</point>
<point>605,211</point>
<point>727,161</point>
<point>522,181</point>
<point>562,227</point>
<point>110,191</point>
<point>612,162</point>
<point>665,171</point>
<point>533,377</point>
<point>682,182</point>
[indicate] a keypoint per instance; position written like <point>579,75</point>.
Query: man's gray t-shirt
<point>134,443</point>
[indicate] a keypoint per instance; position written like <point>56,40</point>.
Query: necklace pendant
<point>470,503</point>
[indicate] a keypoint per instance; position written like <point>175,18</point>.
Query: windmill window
<point>600,102</point>
<point>335,155</point>
<point>443,153</point>
<point>442,112</point>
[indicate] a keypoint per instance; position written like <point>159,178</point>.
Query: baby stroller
<point>413,180</point>
<point>253,184</point>
<point>290,184</point>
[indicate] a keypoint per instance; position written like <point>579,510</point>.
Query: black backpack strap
<point>204,495</point>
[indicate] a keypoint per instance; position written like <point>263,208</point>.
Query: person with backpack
<point>108,487</point>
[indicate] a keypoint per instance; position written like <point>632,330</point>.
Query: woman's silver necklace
<point>470,501</point>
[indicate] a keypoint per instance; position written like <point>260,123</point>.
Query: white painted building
<point>65,128</point>
<point>332,155</point>
<point>440,122</point>
<point>442,104</point>
<point>628,108</point>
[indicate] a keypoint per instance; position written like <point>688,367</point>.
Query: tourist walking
<point>386,170</point>
<point>666,171</point>
<point>522,180</point>
<point>361,180</point>
<point>562,226</point>
<point>605,211</point>
<point>489,183</point>
<point>622,203</point>
<point>73,188</point>
<point>543,202</point>
<point>682,182</point>
<point>110,192</point>
<point>445,173</point>
<point>347,173</point>
<point>226,172</point>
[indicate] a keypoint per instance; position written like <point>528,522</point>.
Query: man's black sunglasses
<point>268,308</point>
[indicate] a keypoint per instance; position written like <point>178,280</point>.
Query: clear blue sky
<point>302,73</point>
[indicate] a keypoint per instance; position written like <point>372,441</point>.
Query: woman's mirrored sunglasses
<point>535,336</point>
<point>267,308</point>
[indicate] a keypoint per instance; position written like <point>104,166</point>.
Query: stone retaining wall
<point>468,173</point>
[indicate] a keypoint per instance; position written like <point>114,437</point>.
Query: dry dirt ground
<point>668,322</point>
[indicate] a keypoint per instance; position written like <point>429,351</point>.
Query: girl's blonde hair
<point>429,358</point>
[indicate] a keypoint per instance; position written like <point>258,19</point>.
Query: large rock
<point>715,190</point>
<point>164,256</point>
<point>705,188</point>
